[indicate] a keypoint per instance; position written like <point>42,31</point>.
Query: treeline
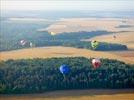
<point>41,75</point>
<point>11,41</point>
<point>103,46</point>
<point>42,39</point>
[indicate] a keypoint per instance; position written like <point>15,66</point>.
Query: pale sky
<point>116,5</point>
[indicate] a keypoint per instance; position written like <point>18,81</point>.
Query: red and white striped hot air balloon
<point>96,63</point>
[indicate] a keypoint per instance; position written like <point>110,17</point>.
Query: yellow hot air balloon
<point>94,44</point>
<point>52,33</point>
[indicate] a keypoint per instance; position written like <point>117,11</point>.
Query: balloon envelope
<point>23,42</point>
<point>64,69</point>
<point>114,37</point>
<point>31,44</point>
<point>96,63</point>
<point>94,44</point>
<point>52,33</point>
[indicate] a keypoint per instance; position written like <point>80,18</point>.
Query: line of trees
<point>41,75</point>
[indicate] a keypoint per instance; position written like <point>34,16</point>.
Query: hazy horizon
<point>68,5</point>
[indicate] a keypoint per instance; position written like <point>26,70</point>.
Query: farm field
<point>75,95</point>
<point>58,51</point>
<point>91,24</point>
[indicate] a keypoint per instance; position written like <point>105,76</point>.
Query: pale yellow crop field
<point>58,51</point>
<point>90,24</point>
<point>75,95</point>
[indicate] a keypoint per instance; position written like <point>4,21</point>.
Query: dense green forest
<point>41,75</point>
<point>41,39</point>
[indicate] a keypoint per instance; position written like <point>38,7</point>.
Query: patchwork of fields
<point>123,36</point>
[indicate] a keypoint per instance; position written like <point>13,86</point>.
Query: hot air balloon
<point>96,63</point>
<point>52,33</point>
<point>23,42</point>
<point>94,44</point>
<point>31,44</point>
<point>114,36</point>
<point>64,69</point>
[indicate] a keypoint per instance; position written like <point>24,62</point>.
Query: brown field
<point>89,24</point>
<point>75,95</point>
<point>47,52</point>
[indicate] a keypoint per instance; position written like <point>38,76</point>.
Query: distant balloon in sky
<point>52,33</point>
<point>23,42</point>
<point>96,63</point>
<point>64,69</point>
<point>94,44</point>
<point>114,36</point>
<point>31,44</point>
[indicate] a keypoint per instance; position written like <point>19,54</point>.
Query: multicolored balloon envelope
<point>23,42</point>
<point>96,63</point>
<point>64,69</point>
<point>94,44</point>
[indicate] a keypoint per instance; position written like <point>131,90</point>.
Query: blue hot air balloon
<point>64,69</point>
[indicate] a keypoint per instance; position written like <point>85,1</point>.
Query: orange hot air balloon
<point>96,63</point>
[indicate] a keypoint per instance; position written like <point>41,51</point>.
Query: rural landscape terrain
<point>67,50</point>
<point>123,36</point>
